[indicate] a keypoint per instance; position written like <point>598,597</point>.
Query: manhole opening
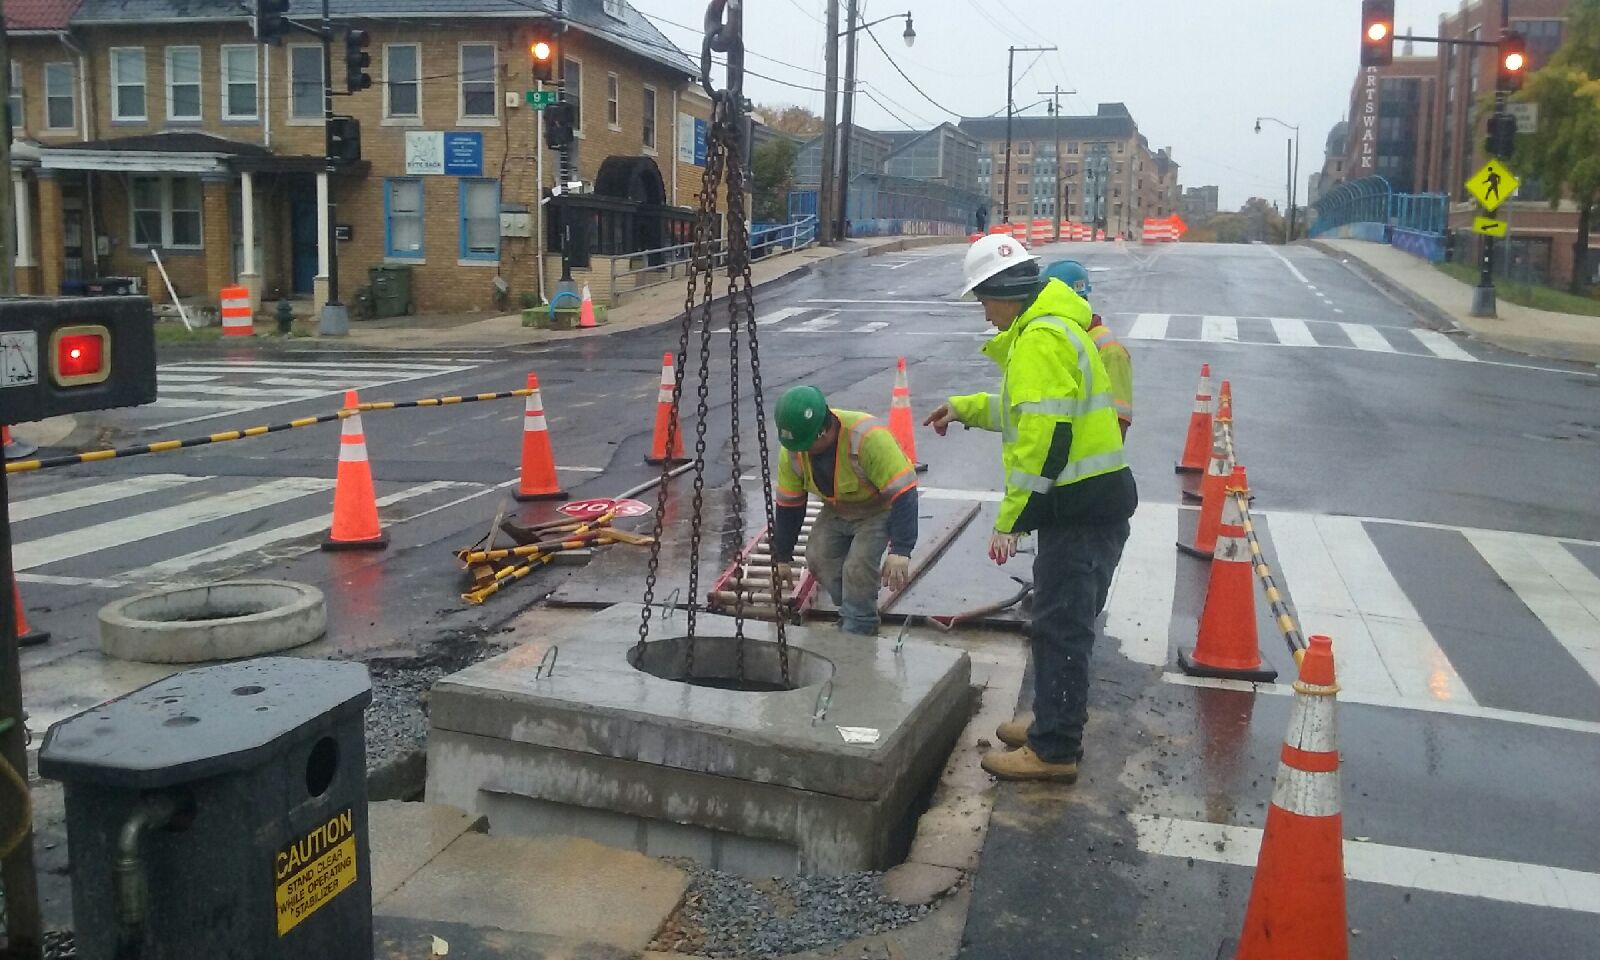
<point>716,664</point>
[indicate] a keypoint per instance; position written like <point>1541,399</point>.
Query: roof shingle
<point>39,14</point>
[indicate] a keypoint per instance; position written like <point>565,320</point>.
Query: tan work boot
<point>1014,733</point>
<point>1023,764</point>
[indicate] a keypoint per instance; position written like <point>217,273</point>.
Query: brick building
<point>162,125</point>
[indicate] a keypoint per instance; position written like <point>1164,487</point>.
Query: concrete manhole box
<point>738,780</point>
<point>226,620</point>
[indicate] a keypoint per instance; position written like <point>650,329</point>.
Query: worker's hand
<point>1002,547</point>
<point>896,571</point>
<point>941,418</point>
<point>785,575</point>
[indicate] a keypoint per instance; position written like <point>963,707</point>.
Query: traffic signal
<point>545,53</point>
<point>270,23</point>
<point>344,139</point>
<point>1377,33</point>
<point>1502,139</point>
<point>559,119</point>
<point>1513,62</point>
<point>357,60</point>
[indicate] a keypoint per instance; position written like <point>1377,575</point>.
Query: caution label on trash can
<point>313,870</point>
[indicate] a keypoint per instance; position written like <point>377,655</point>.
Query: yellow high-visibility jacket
<point>869,469</point>
<point>1119,367</point>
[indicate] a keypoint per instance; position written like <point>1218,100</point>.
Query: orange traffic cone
<point>1226,643</point>
<point>666,419</point>
<point>538,463</point>
<point>586,311</point>
<point>1199,439</point>
<point>901,424</point>
<point>1197,493</point>
<point>1212,495</point>
<point>1297,899</point>
<point>16,449</point>
<point>355,507</point>
<point>26,636</point>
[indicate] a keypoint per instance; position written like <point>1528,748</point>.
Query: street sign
<point>539,99</point>
<point>1527,115</point>
<point>1492,185</point>
<point>19,359</point>
<point>599,506</point>
<point>1489,227</point>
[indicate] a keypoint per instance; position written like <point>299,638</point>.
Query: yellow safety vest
<point>869,468</point>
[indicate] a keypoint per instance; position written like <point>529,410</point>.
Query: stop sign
<point>600,506</point>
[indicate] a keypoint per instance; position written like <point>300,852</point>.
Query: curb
<point>1427,311</point>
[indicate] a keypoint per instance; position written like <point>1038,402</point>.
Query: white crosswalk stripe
<point>1366,338</point>
<point>1553,584</point>
<point>1219,329</point>
<point>1149,326</point>
<point>95,494</point>
<point>1440,345</point>
<point>1291,332</point>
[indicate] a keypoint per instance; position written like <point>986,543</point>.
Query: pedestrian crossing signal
<point>1377,33</point>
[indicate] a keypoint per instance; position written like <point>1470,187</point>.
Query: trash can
<point>391,290</point>
<point>221,813</point>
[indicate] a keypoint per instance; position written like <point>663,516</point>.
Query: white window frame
<point>293,119</point>
<point>166,210</point>
<point>461,86</point>
<point>19,116</point>
<point>71,95</point>
<point>577,114</point>
<point>113,55</point>
<point>228,83</point>
<point>390,118</point>
<point>650,119</point>
<point>613,101</point>
<point>199,84</point>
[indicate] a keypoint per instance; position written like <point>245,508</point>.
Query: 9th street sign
<point>539,99</point>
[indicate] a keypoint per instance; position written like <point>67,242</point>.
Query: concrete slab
<point>560,887</point>
<point>406,836</point>
<point>402,938</point>
<point>914,884</point>
<point>742,781</point>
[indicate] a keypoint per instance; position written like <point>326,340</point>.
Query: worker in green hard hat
<point>869,503</point>
<point>1119,366</point>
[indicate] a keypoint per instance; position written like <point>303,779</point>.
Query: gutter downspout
<point>91,228</point>
<point>266,95</point>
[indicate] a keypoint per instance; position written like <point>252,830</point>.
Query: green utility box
<point>221,813</point>
<point>391,290</point>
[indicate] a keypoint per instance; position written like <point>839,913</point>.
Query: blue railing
<point>1369,209</point>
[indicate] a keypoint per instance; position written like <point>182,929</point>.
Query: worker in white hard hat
<point>1066,479</point>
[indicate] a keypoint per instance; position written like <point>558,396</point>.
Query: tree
<point>1563,154</point>
<point>789,118</point>
<point>771,172</point>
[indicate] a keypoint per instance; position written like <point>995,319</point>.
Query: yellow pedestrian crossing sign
<point>1492,185</point>
<point>1489,227</point>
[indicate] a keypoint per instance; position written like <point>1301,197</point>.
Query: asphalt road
<point>1429,501</point>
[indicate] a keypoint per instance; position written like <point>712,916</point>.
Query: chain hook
<point>725,37</point>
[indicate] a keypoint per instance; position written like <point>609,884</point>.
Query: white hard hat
<point>991,255</point>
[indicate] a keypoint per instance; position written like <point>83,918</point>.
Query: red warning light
<point>80,355</point>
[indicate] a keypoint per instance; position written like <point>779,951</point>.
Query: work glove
<point>896,571</point>
<point>785,575</point>
<point>1002,547</point>
<point>941,418</point>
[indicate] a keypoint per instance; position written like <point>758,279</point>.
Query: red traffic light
<point>1377,33</point>
<point>1513,62</point>
<point>80,355</point>
<point>541,50</point>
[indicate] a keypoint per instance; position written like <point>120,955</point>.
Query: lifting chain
<point>724,168</point>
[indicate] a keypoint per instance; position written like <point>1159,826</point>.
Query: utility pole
<point>830,133</point>
<point>1483,298</point>
<point>8,216</point>
<point>1055,94</point>
<point>1011,66</point>
<point>335,320</point>
<point>845,131</point>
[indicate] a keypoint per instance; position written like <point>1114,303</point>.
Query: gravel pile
<point>397,719</point>
<point>729,916</point>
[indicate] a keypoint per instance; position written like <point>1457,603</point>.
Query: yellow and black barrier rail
<point>1280,607</point>
<point>167,446</point>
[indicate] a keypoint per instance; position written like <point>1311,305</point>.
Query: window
<point>1072,146</point>
<point>1120,146</point>
<point>305,83</point>
<point>18,117</point>
<point>166,212</point>
<point>615,9</point>
<point>402,81</point>
<point>480,219</point>
<point>402,203</point>
<point>1024,148</point>
<point>613,95</point>
<point>648,133</point>
<point>572,89</point>
<point>183,83</point>
<point>478,81</point>
<point>127,84</point>
<point>60,105</point>
<point>240,68</point>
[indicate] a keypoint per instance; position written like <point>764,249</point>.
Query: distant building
<point>944,154</point>
<point>867,152</point>
<point>1198,204</point>
<point>1333,163</point>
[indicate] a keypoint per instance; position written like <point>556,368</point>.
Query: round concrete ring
<point>218,621</point>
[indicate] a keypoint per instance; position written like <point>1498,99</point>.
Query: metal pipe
<point>130,891</point>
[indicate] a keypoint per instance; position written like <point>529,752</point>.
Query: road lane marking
<point>1554,585</point>
<point>143,526</point>
<point>163,377</point>
<point>56,581</point>
<point>222,390</point>
<point>1441,346</point>
<point>1292,268</point>
<point>778,316</point>
<point>870,327</point>
<point>823,322</point>
<point>1219,329</point>
<point>184,403</point>
<point>1139,607</point>
<point>942,303</point>
<point>1291,332</point>
<point>35,507</point>
<point>1455,874</point>
<point>945,493</point>
<point>1150,326</point>
<point>1367,338</point>
<point>318,366</point>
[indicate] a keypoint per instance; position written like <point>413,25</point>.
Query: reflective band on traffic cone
<point>1198,443</point>
<point>237,319</point>
<point>586,311</point>
<point>1297,898</point>
<point>1212,494</point>
<point>538,463</point>
<point>16,449</point>
<point>1226,644</point>
<point>901,423</point>
<point>355,507</point>
<point>26,637</point>
<point>666,419</point>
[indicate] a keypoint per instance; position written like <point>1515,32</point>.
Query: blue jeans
<point>847,558</point>
<point>1071,580</point>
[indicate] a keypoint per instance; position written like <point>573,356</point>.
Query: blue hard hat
<point>1071,273</point>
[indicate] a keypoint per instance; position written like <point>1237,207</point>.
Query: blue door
<point>303,231</point>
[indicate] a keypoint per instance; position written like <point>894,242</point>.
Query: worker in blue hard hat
<point>1119,366</point>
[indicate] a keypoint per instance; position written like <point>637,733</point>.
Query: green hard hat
<point>802,414</point>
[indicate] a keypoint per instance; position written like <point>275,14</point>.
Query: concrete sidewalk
<point>1428,290</point>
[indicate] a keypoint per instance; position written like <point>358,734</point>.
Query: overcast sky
<point>1194,73</point>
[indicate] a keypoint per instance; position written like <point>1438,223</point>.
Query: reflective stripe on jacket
<point>1050,373</point>
<point>1119,367</point>
<point>869,468</point>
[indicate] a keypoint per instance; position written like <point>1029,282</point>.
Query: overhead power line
<point>920,91</point>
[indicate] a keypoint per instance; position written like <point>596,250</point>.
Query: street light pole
<point>1055,111</point>
<point>1291,168</point>
<point>1011,66</point>
<point>846,131</point>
